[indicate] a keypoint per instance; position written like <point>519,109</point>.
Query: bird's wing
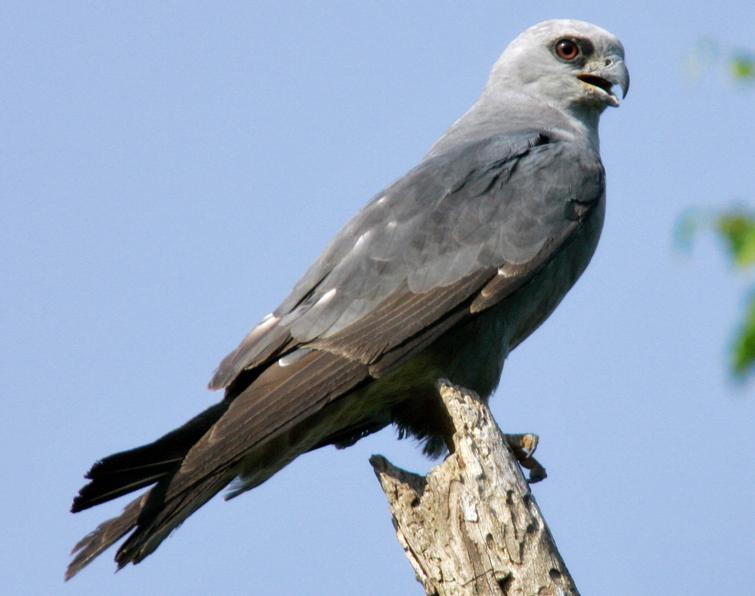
<point>452,237</point>
<point>428,243</point>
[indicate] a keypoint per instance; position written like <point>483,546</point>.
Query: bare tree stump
<point>472,527</point>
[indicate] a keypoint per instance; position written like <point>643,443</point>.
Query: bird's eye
<point>567,49</point>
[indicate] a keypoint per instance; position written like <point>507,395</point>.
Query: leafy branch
<point>736,229</point>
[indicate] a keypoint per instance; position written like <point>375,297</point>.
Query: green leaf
<point>744,344</point>
<point>743,67</point>
<point>738,230</point>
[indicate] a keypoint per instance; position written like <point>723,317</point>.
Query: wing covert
<point>445,228</point>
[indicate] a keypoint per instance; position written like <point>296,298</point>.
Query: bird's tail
<point>151,515</point>
<point>123,472</point>
<point>104,535</point>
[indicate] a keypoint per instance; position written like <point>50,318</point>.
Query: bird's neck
<point>587,119</point>
<point>509,113</point>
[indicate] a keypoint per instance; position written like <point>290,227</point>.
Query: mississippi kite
<point>442,274</point>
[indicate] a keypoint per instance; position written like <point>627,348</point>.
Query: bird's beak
<point>605,75</point>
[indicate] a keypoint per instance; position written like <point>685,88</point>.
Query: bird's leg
<point>523,447</point>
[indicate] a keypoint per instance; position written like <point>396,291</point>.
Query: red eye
<point>567,49</point>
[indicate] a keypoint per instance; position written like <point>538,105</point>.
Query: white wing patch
<point>361,240</point>
<point>326,297</point>
<point>294,356</point>
<point>267,321</point>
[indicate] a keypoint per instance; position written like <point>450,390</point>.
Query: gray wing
<point>428,243</point>
<point>454,236</point>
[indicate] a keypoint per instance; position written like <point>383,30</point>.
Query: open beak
<point>608,74</point>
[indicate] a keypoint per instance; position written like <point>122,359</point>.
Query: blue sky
<point>167,172</point>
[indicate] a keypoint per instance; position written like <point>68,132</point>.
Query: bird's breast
<point>525,310</point>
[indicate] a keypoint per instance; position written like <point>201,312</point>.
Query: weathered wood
<point>472,526</point>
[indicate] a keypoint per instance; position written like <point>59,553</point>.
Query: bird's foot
<point>523,447</point>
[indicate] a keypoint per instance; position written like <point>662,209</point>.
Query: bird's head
<point>572,65</point>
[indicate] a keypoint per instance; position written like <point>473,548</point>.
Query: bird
<point>441,275</point>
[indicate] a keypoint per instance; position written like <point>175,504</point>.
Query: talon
<point>523,447</point>
<point>537,471</point>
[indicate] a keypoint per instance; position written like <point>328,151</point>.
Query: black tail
<point>106,534</point>
<point>127,471</point>
<point>150,517</point>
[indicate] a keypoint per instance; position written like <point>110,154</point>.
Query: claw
<point>523,447</point>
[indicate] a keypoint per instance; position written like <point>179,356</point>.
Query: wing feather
<point>399,317</point>
<point>432,228</point>
<point>475,225</point>
<point>278,399</point>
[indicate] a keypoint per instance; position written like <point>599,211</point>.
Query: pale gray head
<point>558,75</point>
<point>571,65</point>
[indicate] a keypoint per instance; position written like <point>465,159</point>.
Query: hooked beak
<point>604,76</point>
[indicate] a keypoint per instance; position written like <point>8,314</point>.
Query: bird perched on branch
<point>442,274</point>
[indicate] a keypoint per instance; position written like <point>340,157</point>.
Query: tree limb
<point>472,526</point>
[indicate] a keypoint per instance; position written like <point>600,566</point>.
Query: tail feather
<point>102,537</point>
<point>130,470</point>
<point>164,517</point>
<point>150,515</point>
<point>182,485</point>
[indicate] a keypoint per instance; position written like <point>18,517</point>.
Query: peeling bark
<point>472,526</point>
